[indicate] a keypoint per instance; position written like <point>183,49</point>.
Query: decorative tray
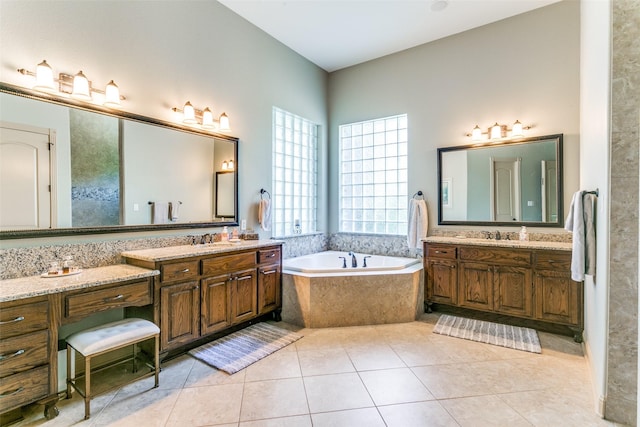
<point>71,273</point>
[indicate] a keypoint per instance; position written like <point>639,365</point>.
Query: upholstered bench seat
<point>105,338</point>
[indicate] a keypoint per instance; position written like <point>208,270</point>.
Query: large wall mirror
<point>517,182</point>
<point>70,169</point>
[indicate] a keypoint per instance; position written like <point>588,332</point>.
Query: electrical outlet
<point>530,203</point>
<point>136,207</point>
<point>243,225</point>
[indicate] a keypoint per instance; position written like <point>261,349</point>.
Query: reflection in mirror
<point>75,170</point>
<point>225,189</point>
<point>506,183</point>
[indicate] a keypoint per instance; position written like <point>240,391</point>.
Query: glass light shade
<point>81,87</point>
<point>188,114</point>
<point>44,77</point>
<point>230,165</point>
<point>112,95</point>
<point>517,129</point>
<point>224,122</point>
<point>207,119</point>
<point>225,165</point>
<point>476,133</point>
<point>496,131</point>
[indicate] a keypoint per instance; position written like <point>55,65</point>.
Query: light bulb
<point>230,165</point>
<point>81,87</point>
<point>224,122</point>
<point>225,165</point>
<point>496,132</point>
<point>476,133</point>
<point>517,129</point>
<point>44,77</point>
<point>207,119</point>
<point>112,95</point>
<point>189,114</point>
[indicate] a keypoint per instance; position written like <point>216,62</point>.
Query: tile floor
<point>387,375</point>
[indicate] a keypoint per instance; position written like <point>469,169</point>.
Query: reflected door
<point>25,174</point>
<point>505,190</point>
<point>549,191</point>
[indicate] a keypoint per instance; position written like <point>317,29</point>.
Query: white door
<point>549,191</point>
<point>505,190</point>
<point>26,157</point>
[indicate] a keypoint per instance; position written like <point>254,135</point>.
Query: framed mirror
<point>514,182</point>
<point>68,168</point>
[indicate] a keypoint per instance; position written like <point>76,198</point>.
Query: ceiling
<point>335,34</point>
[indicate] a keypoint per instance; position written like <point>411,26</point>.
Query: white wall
<point>525,67</point>
<point>163,53</point>
<point>595,107</point>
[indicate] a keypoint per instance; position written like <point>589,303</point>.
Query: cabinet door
<point>513,291</point>
<point>558,298</point>
<point>215,301</point>
<point>269,282</point>
<point>475,281</point>
<point>180,314</point>
<point>442,282</point>
<point>244,296</point>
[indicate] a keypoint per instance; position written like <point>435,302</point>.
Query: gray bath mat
<point>244,347</point>
<point>515,337</point>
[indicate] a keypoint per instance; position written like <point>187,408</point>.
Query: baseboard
<point>600,401</point>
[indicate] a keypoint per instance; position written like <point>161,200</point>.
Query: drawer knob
<point>11,393</point>
<point>186,270</point>
<point>9,356</point>
<point>271,255</point>
<point>117,297</point>
<point>16,320</point>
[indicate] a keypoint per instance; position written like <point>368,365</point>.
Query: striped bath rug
<point>515,337</point>
<point>244,347</point>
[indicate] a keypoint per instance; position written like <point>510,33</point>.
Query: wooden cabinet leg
<point>577,334</point>
<point>277,315</point>
<point>428,307</point>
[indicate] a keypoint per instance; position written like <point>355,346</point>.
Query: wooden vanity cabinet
<point>520,282</point>
<point>269,280</point>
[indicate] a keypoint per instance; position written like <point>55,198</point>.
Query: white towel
<point>580,221</point>
<point>174,210</point>
<point>418,222</point>
<point>264,214</point>
<point>160,212</point>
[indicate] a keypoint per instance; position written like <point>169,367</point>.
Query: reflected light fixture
<point>77,86</point>
<point>228,165</point>
<point>498,131</point>
<point>204,118</point>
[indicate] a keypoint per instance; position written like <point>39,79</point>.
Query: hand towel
<point>418,223</point>
<point>264,214</point>
<point>580,222</point>
<point>160,213</point>
<point>174,210</point>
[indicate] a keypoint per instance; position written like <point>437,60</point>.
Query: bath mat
<point>515,337</point>
<point>244,347</point>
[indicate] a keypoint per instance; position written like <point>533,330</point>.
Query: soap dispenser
<point>523,234</point>
<point>225,234</point>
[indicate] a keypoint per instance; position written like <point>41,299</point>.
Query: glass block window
<point>373,176</point>
<point>295,171</point>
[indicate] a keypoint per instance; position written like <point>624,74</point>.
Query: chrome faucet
<point>354,261</point>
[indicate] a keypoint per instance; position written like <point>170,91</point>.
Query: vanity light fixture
<point>193,116</point>
<point>228,165</point>
<point>498,131</point>
<point>77,86</point>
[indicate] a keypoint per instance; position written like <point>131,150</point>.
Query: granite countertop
<point>25,287</point>
<point>561,246</point>
<point>176,252</point>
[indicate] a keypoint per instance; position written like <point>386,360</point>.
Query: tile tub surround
<point>365,298</point>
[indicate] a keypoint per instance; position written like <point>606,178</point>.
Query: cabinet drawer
<point>228,263</point>
<point>496,256</point>
<point>22,319</point>
<point>23,352</point>
<point>25,387</point>
<point>553,261</point>
<point>133,294</point>
<point>268,256</point>
<point>179,271</point>
<point>445,252</point>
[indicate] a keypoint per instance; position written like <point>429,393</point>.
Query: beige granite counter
<point>176,252</point>
<point>559,246</point>
<point>25,287</point>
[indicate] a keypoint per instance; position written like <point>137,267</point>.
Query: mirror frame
<point>70,231</point>
<point>559,180</point>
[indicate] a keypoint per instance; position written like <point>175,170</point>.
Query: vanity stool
<point>105,338</point>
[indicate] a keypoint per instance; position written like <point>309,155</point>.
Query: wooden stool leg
<point>69,378</point>
<point>157,359</point>
<point>87,387</point>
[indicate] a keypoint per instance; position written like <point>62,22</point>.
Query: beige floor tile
<point>319,339</point>
<point>295,421</point>
<point>369,417</point>
<point>420,353</point>
<point>391,386</point>
<point>207,406</point>
<point>203,375</point>
<point>150,408</point>
<point>281,364</point>
<point>421,414</point>
<point>273,399</point>
<point>323,362</point>
<point>483,411</point>
<point>376,356</point>
<point>336,392</point>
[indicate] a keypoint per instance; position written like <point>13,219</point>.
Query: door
<point>180,314</point>
<point>26,161</point>
<point>505,189</point>
<point>476,285</point>
<point>244,296</point>
<point>549,187</point>
<point>214,304</point>
<point>443,282</point>
<point>513,291</point>
<point>268,288</point>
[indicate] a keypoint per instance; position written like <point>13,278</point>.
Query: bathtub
<point>317,292</point>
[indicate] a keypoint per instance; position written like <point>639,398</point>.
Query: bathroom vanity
<point>522,280</point>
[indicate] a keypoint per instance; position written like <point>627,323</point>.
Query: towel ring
<point>262,191</point>
<point>419,194</point>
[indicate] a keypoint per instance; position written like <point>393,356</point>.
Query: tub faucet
<point>354,261</point>
<point>344,261</point>
<point>364,260</point>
